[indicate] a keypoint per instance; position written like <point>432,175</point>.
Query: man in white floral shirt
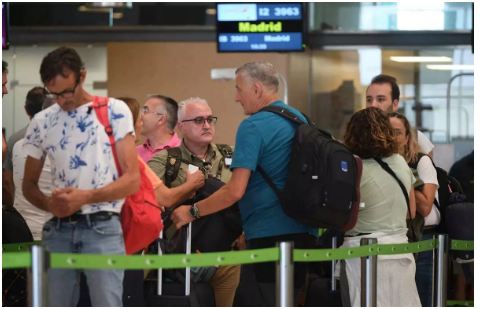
<point>88,192</point>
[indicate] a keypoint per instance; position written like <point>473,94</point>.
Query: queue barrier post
<point>285,275</point>
<point>37,277</point>
<point>441,270</point>
<point>368,276</point>
<point>333,282</point>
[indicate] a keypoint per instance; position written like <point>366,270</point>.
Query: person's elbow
<point>425,209</point>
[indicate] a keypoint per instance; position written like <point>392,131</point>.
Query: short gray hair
<point>184,104</point>
<point>263,72</point>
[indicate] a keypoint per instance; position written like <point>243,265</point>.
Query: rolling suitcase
<point>176,294</point>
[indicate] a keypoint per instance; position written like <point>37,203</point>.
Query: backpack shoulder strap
<point>173,164</point>
<point>100,106</point>
<point>227,153</point>
<point>283,112</point>
<point>225,150</point>
<point>388,169</point>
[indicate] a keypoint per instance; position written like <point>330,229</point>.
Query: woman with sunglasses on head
<point>426,193</point>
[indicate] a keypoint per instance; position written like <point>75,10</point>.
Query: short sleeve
<point>248,146</point>
<point>158,163</point>
<point>426,171</point>
<point>121,119</point>
<point>34,139</point>
<point>424,143</point>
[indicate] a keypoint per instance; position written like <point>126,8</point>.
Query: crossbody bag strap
<point>100,106</point>
<point>386,167</point>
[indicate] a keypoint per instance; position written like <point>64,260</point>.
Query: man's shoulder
<point>163,155</point>
<point>18,135</point>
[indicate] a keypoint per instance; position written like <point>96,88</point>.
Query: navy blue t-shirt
<point>265,139</point>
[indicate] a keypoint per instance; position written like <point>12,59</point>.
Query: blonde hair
<point>411,149</point>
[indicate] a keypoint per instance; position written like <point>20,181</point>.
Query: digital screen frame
<point>5,41</point>
<point>260,27</point>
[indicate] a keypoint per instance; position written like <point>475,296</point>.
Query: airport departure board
<point>259,27</point>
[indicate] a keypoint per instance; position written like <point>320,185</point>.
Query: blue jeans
<point>84,236</point>
<point>424,274</point>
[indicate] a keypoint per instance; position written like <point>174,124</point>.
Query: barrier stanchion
<point>441,270</point>
<point>368,276</point>
<point>285,275</point>
<point>333,283</point>
<point>38,277</point>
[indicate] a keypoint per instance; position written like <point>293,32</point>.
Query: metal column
<point>285,275</point>
<point>368,276</point>
<point>38,277</point>
<point>441,271</point>
<point>333,282</point>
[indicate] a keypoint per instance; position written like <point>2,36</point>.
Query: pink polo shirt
<point>146,152</point>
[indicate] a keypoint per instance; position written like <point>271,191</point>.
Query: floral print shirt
<point>78,147</point>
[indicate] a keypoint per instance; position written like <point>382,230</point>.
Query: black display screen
<point>259,27</point>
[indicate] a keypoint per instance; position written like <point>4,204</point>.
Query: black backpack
<point>323,178</point>
<point>225,224</point>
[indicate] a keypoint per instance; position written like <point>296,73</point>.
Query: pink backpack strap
<point>100,106</point>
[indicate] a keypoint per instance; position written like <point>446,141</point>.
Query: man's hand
<point>65,202</point>
<point>196,179</point>
<point>181,216</point>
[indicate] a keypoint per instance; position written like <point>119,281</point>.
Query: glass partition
<point>391,16</point>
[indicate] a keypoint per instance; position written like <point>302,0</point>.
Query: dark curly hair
<point>58,61</point>
<point>369,134</point>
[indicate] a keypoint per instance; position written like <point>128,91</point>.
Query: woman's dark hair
<point>56,62</point>
<point>369,134</point>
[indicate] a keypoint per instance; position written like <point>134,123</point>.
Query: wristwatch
<point>195,211</point>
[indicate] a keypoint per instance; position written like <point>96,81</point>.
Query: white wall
<point>23,66</point>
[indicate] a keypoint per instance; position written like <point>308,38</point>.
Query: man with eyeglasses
<point>88,191</point>
<point>159,118</point>
<point>264,139</point>
<point>196,124</point>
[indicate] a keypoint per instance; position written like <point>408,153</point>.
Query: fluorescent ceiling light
<point>420,59</point>
<point>451,67</point>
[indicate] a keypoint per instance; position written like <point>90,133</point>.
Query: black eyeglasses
<point>66,94</point>
<point>201,120</point>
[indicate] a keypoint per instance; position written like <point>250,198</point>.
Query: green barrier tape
<point>92,261</point>
<point>19,247</point>
<point>315,255</point>
<point>16,260</point>
<point>460,303</point>
<point>462,245</point>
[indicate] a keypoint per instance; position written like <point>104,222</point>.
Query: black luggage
<point>159,293</point>
<point>14,281</point>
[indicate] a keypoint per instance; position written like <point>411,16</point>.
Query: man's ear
<point>395,105</point>
<point>258,88</point>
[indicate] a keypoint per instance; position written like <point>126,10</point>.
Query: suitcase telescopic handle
<point>187,289</point>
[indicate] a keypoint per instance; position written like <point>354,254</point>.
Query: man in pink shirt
<point>159,118</point>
